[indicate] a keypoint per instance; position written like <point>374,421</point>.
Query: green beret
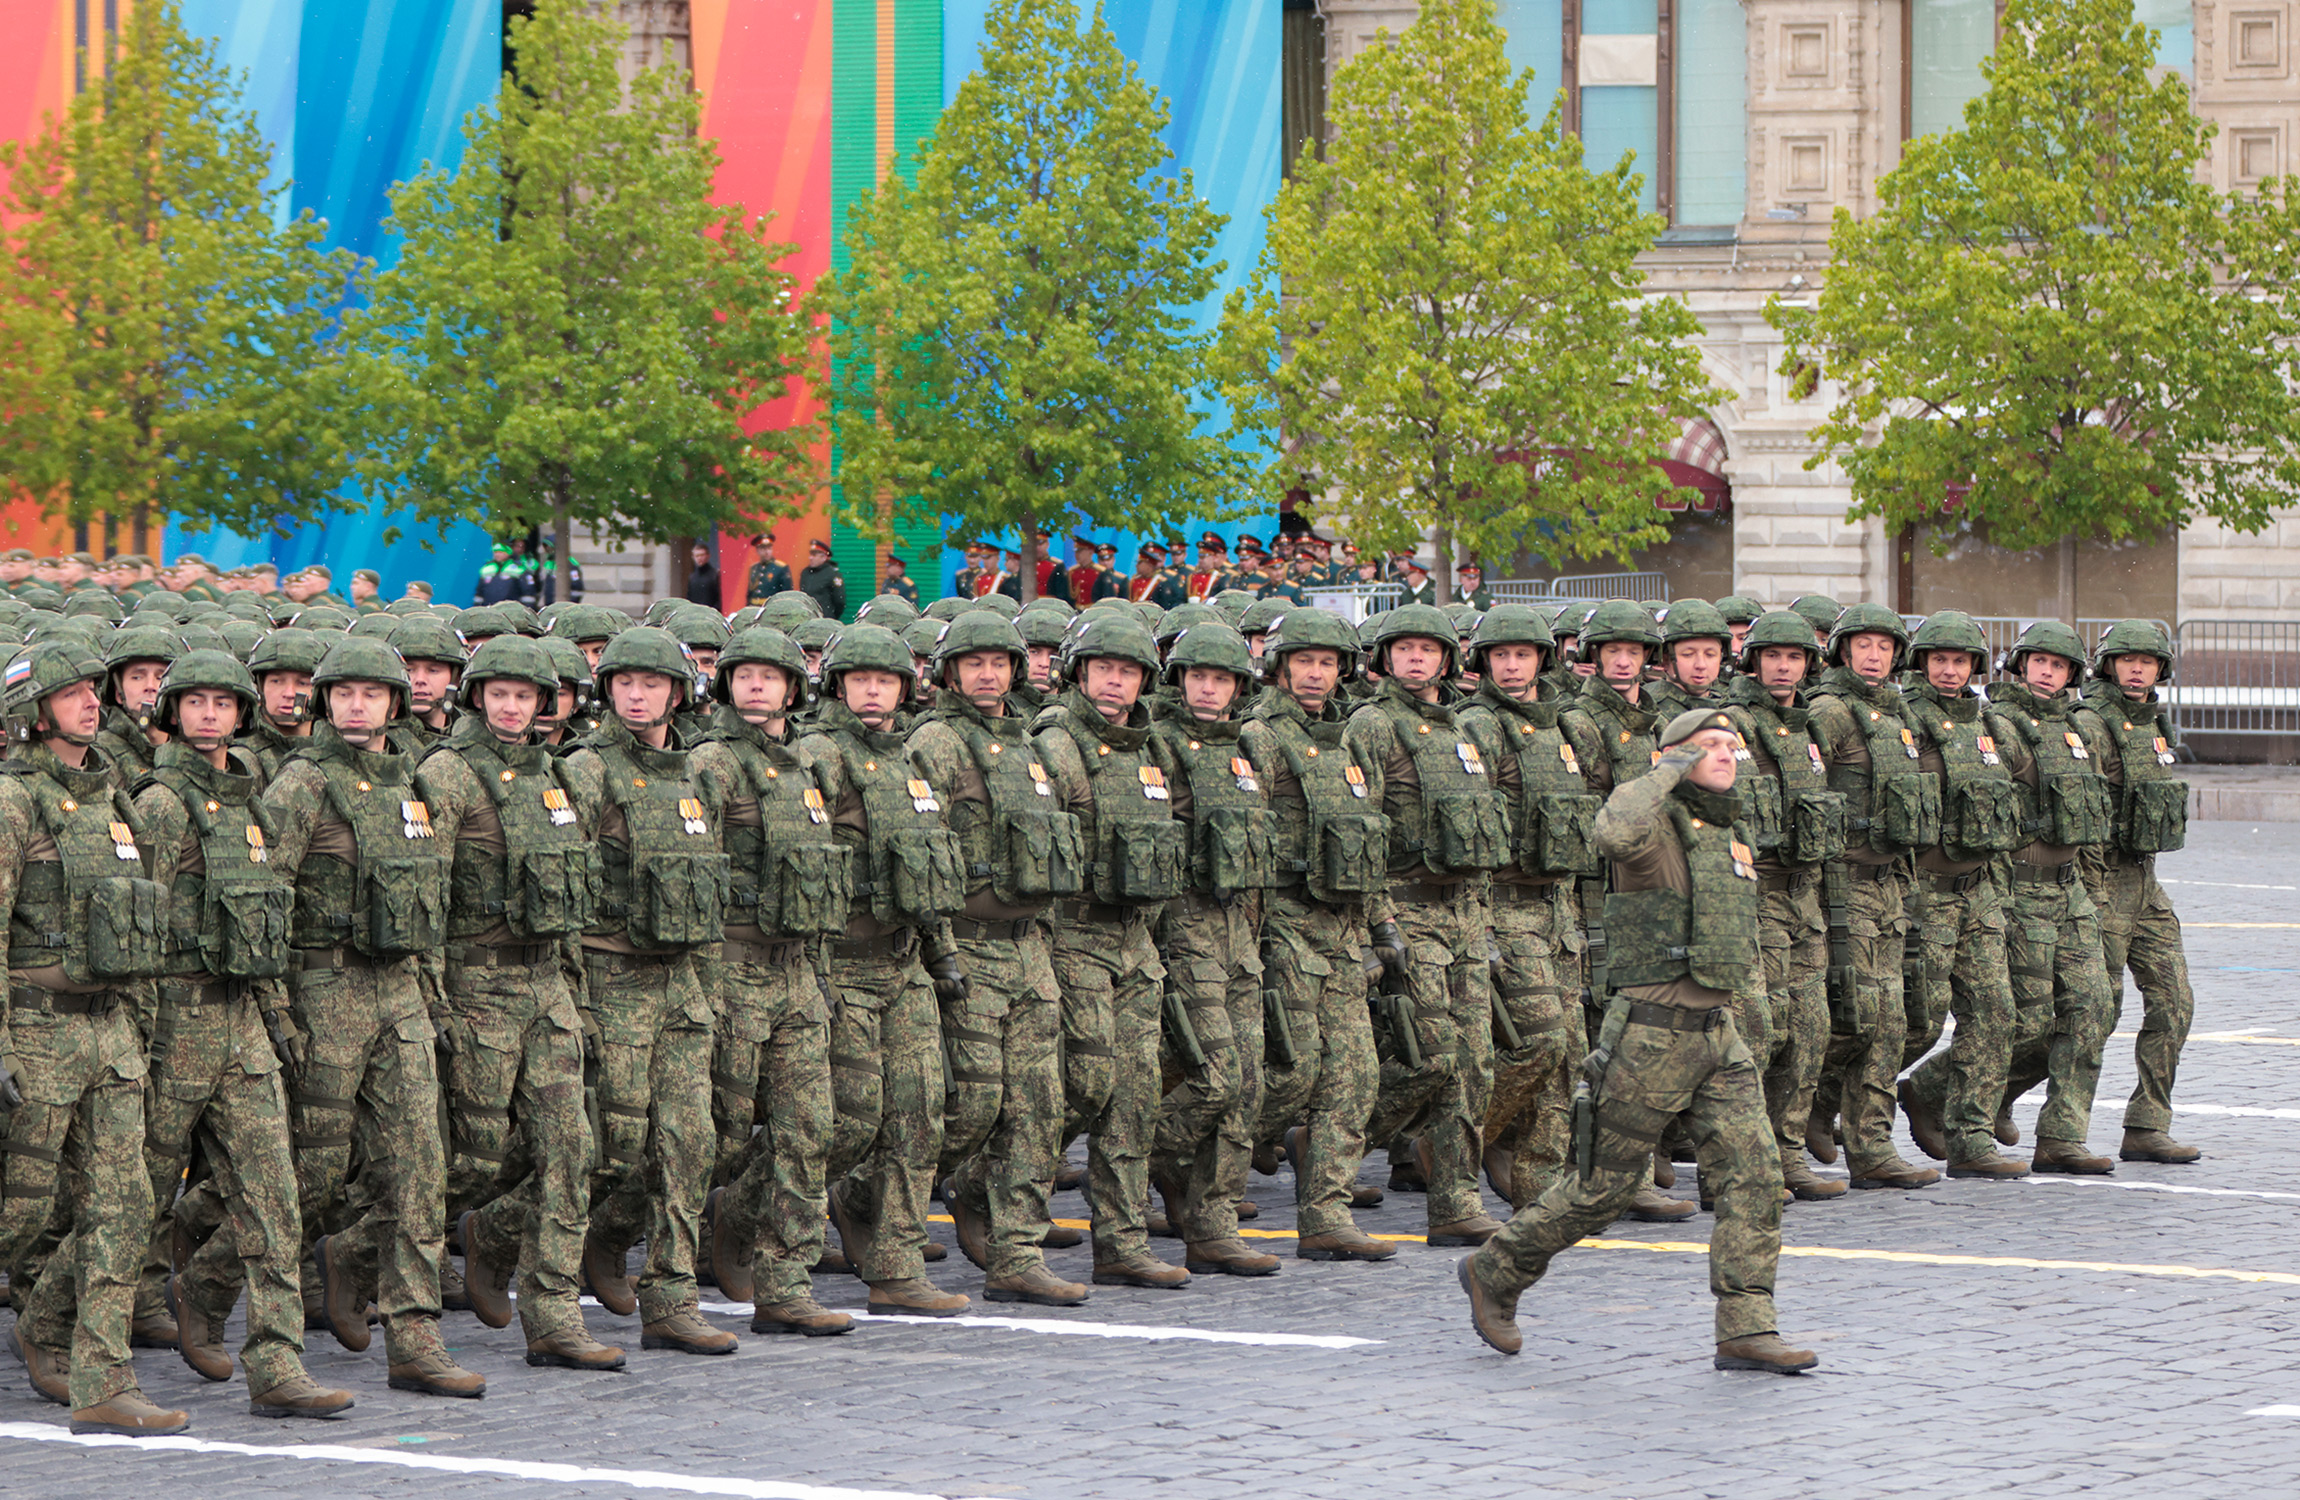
<point>1692,722</point>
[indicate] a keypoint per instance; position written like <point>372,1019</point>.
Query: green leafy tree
<point>2053,314</point>
<point>1461,345</point>
<point>574,330</point>
<point>1013,344</point>
<point>164,341</point>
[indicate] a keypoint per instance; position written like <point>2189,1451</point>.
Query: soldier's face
<point>15,570</point>
<point>139,684</point>
<point>1209,691</point>
<point>1948,671</point>
<point>1740,637</point>
<point>1870,655</point>
<point>284,695</point>
<point>706,658</point>
<point>642,699</point>
<point>1714,770</point>
<point>2136,673</point>
<point>510,707</point>
<point>591,651</point>
<point>563,702</point>
<point>1416,660</point>
<point>71,571</point>
<point>359,710</point>
<point>1620,662</point>
<point>207,717</point>
<point>1041,666</point>
<point>1695,664</point>
<point>74,712</point>
<point>2044,673</point>
<point>361,591</point>
<point>300,589</point>
<point>1513,667</point>
<point>1309,676</point>
<point>872,695</point>
<point>1112,685</point>
<point>983,678</point>
<point>1781,668</point>
<point>428,682</point>
<point>759,690</point>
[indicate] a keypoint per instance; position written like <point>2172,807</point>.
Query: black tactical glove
<point>1389,948</point>
<point>289,1043</point>
<point>949,977</point>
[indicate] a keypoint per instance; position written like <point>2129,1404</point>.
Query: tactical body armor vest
<point>390,901</point>
<point>1552,824</point>
<point>1024,846</point>
<point>665,883</point>
<point>545,880</point>
<point>912,869</point>
<point>90,909</point>
<point>1340,846</point>
<point>230,917</point>
<point>1890,803</point>
<point>1625,729</point>
<point>1980,810</point>
<point>2152,804</point>
<point>1708,934</point>
<point>786,874</point>
<point>1792,816</point>
<point>1459,824</point>
<point>1233,838</point>
<point>2070,804</point>
<point>1140,853</point>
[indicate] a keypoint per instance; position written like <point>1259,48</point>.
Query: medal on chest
<point>691,815</point>
<point>1471,762</point>
<point>1153,784</point>
<point>1988,749</point>
<point>2075,744</point>
<point>1357,780</point>
<point>817,814</point>
<point>1740,748</point>
<point>1909,744</point>
<point>1038,781</point>
<point>1744,862</point>
<point>123,841</point>
<point>555,802</point>
<point>2164,755</point>
<point>1242,770</point>
<point>1565,754</point>
<point>922,796</point>
<point>415,820</point>
<point>1813,753</point>
<point>257,853</point>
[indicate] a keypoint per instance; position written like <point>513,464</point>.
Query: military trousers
<point>771,1072</point>
<point>370,1086</point>
<point>82,1076</point>
<point>888,1088</point>
<point>1965,974</point>
<point>2065,1009</point>
<point>1869,1026</point>
<point>1112,989</point>
<point>1793,943</point>
<point>1531,1111</point>
<point>1706,1081</point>
<point>1310,961</point>
<point>520,1150</point>
<point>2140,931</point>
<point>216,1084</point>
<point>652,1097</point>
<point>1009,1026</point>
<point>1444,1099</point>
<point>1205,1131</point>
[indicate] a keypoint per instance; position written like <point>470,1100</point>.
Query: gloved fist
<point>11,1091</point>
<point>947,976</point>
<point>1389,948</point>
<point>293,1047</point>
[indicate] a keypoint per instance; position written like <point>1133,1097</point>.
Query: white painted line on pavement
<point>2158,1187</point>
<point>2243,1111</point>
<point>2274,1411</point>
<point>1091,1330</point>
<point>2232,885</point>
<point>637,1479</point>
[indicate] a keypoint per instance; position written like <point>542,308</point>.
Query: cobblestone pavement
<point>2135,1336</point>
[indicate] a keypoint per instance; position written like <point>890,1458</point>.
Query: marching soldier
<point>282,664</point>
<point>135,664</point>
<point>1695,641</point>
<point>435,656</point>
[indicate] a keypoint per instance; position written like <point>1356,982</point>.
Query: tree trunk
<point>1442,574</point>
<point>562,542</point>
<point>2065,602</point>
<point>1030,546</point>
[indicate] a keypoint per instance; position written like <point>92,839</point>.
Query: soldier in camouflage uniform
<point>511,1049</point>
<point>214,1066</point>
<point>1449,828</point>
<point>71,1059</point>
<point>1332,853</point>
<point>2064,1005</point>
<point>658,826</point>
<point>1539,1028</point>
<point>1696,642</point>
<point>1022,852</point>
<point>1111,774</point>
<point>771,1068</point>
<point>1958,909</point>
<point>281,664</point>
<point>1209,942</point>
<point>891,969</point>
<point>435,656</point>
<point>355,837</point>
<point>1682,915</point>
<point>2128,719</point>
<point>135,662</point>
<point>571,716</point>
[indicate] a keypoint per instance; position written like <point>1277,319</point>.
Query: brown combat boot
<point>934,1252</point>
<point>151,1327</point>
<point>434,1372</point>
<point>1474,1230</point>
<point>299,1396</point>
<point>1500,1162</point>
<point>1808,1185</point>
<point>129,1415</point>
<point>1994,1167</point>
<point>1068,1178</point>
<point>1062,1237</point>
<point>917,1297</point>
<point>1924,1126</point>
<point>343,1303</point>
<point>1664,1171</point>
<point>801,1314</point>
<point>1036,1285</point>
<point>854,1237</point>
<point>1406,1174</point>
<point>1266,1159</point>
<point>1821,1139</point>
<point>686,1333</point>
<point>487,1286</point>
<point>973,1231</point>
<point>2069,1157</point>
<point>1246,1208</point>
<point>2155,1145</point>
<point>1139,1269</point>
<point>730,1259</point>
<point>573,1348</point>
<point>1492,1314</point>
<point>1652,1206</point>
<point>1351,1243</point>
<point>201,1342</point>
<point>2007,1133</point>
<point>454,1296</point>
<point>50,1369</point>
<point>1764,1351</point>
<point>1893,1172</point>
<point>604,1271</point>
<point>1365,1195</point>
<point>1228,1257</point>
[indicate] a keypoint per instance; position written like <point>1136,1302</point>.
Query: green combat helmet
<point>1616,620</point>
<point>96,602</point>
<point>647,648</point>
<point>199,637</point>
<point>979,630</point>
<point>510,658</point>
<point>1509,625</point>
<point>1464,616</point>
<point>1311,630</point>
<point>216,671</point>
<point>1818,611</point>
<point>2049,638</point>
<point>419,639</point>
<point>1005,606</point>
<point>1739,609</point>
<point>1263,614</point>
<point>581,622</point>
<point>39,671</point>
<point>322,618</point>
<point>1425,620</point>
<point>923,636</point>
<point>1109,638</point>
<point>240,636</point>
<point>1048,604</point>
<point>377,623</point>
<point>892,611</point>
<point>1176,620</point>
<point>1369,627</point>
<point>1867,619</point>
<point>1043,627</point>
<point>1213,645</point>
<point>743,619</point>
<point>759,646</point>
<point>868,648</point>
<point>359,658</point>
<point>949,609</point>
<point>288,650</point>
<point>1695,620</point>
<point>1232,605</point>
<point>1778,627</point>
<point>698,627</point>
<point>787,608</point>
<point>813,635</point>
<point>568,661</point>
<point>2133,637</point>
<point>1949,630</point>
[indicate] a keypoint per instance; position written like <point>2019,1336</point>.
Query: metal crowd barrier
<point>2236,677</point>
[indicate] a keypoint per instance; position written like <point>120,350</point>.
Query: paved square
<point>2133,1336</point>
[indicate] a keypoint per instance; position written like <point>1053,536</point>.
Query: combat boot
<point>345,1307</point>
<point>856,1235</point>
<point>1139,1269</point>
<point>1266,1159</point>
<point>573,1348</point>
<point>1474,1230</point>
<point>1492,1314</point>
<point>730,1259</point>
<point>1652,1206</point>
<point>299,1396</point>
<point>1821,1139</point>
<point>50,1369</point>
<point>832,1262</point>
<point>434,1372</point>
<point>129,1415</point>
<point>2069,1157</point>
<point>1062,1237</point>
<point>2007,1133</point>
<point>1246,1208</point>
<point>604,1272</point>
<point>1037,1285</point>
<point>1808,1185</point>
<point>201,1342</point>
<point>1664,1171</point>
<point>2155,1145</point>
<point>487,1286</point>
<point>1351,1243</point>
<point>1229,1257</point>
<point>454,1296</point>
<point>802,1314</point>
<point>1764,1351</point>
<point>1994,1167</point>
<point>1924,1126</point>
<point>1068,1178</point>
<point>973,1231</point>
<point>933,1252</point>
<point>917,1297</point>
<point>1365,1195</point>
<point>687,1333</point>
<point>1172,1194</point>
<point>1406,1173</point>
<point>150,1326</point>
<point>1893,1172</point>
<point>1500,1163</point>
